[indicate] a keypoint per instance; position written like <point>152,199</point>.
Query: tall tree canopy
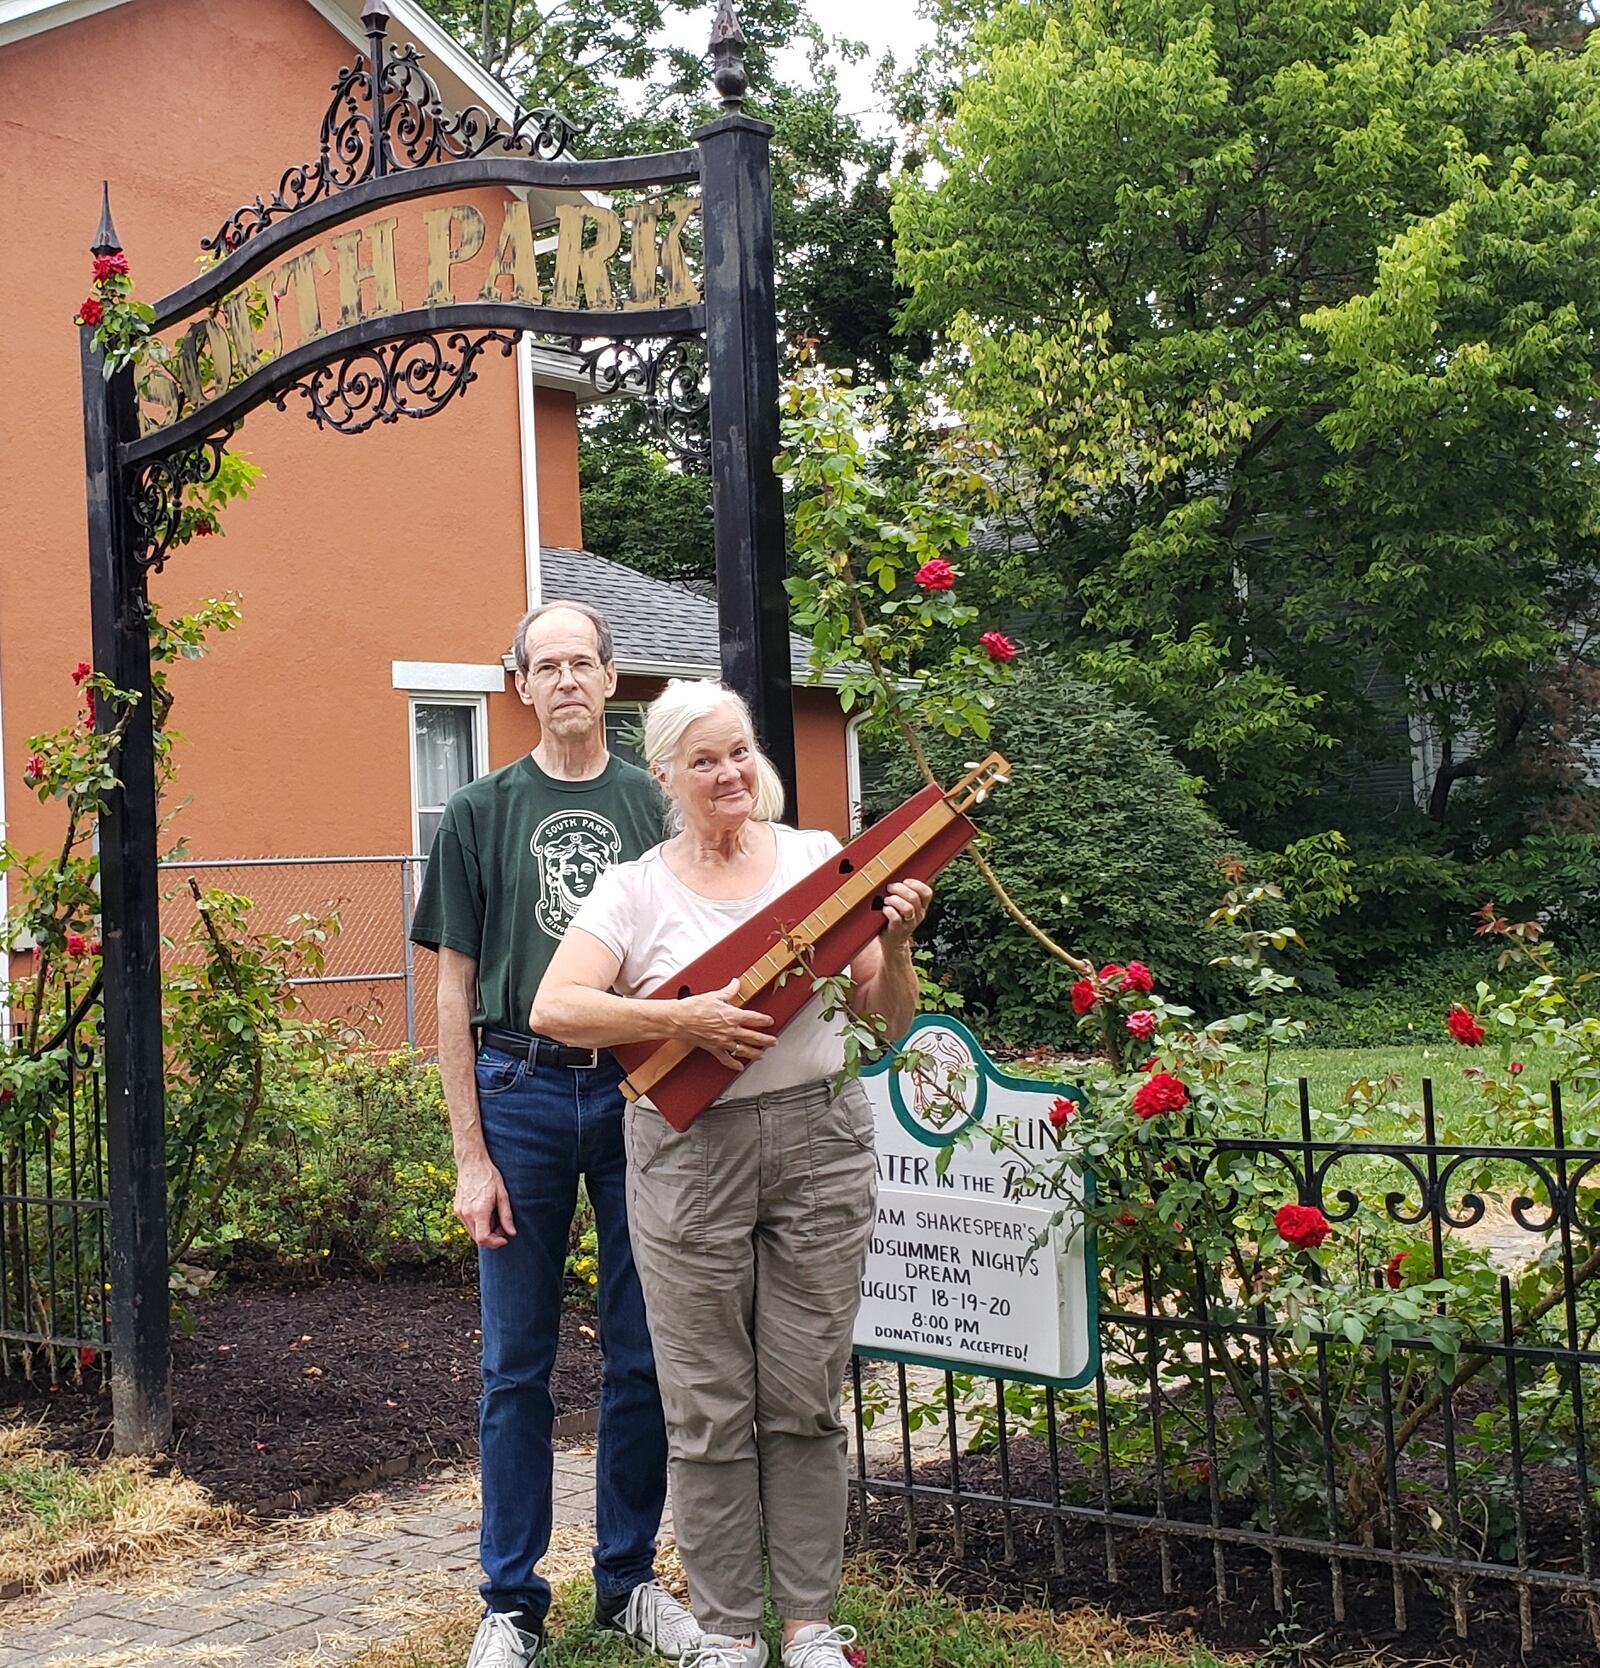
<point>609,64</point>
<point>1277,320</point>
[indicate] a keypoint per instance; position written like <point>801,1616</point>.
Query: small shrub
<point>1097,836</point>
<point>1414,897</point>
<point>362,1174</point>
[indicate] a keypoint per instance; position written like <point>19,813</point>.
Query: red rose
<point>1151,1063</point>
<point>33,770</point>
<point>1060,1110</point>
<point>1463,1027</point>
<point>1142,1024</point>
<point>1127,1220</point>
<point>1393,1275</point>
<point>94,946</point>
<point>1136,976</point>
<point>936,575</point>
<point>88,706</point>
<point>1112,974</point>
<point>1161,1093</point>
<point>81,671</point>
<point>88,1355</point>
<point>1515,1068</point>
<point>8,1094</point>
<point>998,646</point>
<point>91,312</point>
<point>1302,1225</point>
<point>1084,996</point>
<point>204,530</point>
<point>77,944</point>
<point>110,266</point>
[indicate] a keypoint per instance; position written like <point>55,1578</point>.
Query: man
<point>515,855</point>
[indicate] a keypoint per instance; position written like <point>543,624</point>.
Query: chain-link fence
<point>372,980</point>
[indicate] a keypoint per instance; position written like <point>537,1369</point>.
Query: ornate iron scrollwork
<point>672,377</point>
<point>388,124</point>
<point>413,376</point>
<point>155,496</point>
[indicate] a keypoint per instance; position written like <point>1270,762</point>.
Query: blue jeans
<point>544,1127</point>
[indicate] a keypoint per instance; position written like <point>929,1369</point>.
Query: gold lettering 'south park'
<point>593,260</point>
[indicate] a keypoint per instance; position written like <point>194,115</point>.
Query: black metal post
<point>375,16</point>
<point>141,1362</point>
<point>742,358</point>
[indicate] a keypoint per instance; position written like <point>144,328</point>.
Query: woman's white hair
<point>684,702</point>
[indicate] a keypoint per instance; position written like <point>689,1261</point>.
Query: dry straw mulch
<point>59,1519</point>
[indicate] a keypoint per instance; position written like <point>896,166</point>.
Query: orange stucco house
<point>379,574</point>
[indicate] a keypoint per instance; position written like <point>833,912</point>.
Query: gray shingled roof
<point>658,627</point>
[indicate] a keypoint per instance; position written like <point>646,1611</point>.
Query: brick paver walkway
<point>313,1592</point>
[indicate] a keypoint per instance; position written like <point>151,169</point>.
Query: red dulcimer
<point>812,930</point>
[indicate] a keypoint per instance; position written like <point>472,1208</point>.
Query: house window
<point>625,731</point>
<point>449,748</point>
<point>854,787</point>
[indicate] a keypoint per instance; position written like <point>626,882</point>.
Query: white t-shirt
<point>656,926</point>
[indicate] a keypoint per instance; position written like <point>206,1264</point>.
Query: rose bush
<point>1276,1308</point>
<point>1355,1331</point>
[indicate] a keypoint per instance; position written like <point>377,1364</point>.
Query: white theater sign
<point>969,1267</point>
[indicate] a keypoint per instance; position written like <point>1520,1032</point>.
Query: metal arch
<point>385,116</point>
<point>155,494</point>
<point>668,168</point>
<point>281,375</point>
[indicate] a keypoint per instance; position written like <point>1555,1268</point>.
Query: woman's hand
<point>905,905</point>
<point>729,1033</point>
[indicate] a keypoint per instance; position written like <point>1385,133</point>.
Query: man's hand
<point>483,1205</point>
<point>729,1033</point>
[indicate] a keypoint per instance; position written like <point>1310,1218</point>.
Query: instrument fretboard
<point>862,883</point>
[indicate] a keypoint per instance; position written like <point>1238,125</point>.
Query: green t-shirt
<point>515,855</point>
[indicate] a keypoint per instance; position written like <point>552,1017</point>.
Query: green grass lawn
<point>900,1626</point>
<point>1329,1072</point>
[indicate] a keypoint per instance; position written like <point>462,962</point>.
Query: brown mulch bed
<point>1303,1633</point>
<point>288,1394</point>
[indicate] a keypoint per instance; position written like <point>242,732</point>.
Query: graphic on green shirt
<point>573,849</point>
<point>516,853</point>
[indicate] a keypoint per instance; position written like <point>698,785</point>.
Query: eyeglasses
<point>550,671</point>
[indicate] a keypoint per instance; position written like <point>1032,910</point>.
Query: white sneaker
<point>500,1643</point>
<point>718,1650</point>
<point>819,1646</point>
<point>655,1619</point>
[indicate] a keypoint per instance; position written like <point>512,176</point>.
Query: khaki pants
<point>750,1234</point>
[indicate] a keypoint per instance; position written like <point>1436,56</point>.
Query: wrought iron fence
<point>1219,1458</point>
<point>373,979</point>
<point>54,1291</point>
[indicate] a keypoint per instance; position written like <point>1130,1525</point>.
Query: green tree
<point>609,64</point>
<point>1268,322</point>
<point>638,509</point>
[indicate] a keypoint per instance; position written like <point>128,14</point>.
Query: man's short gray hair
<point>602,631</point>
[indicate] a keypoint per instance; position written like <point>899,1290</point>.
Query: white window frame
<point>852,771</point>
<point>480,741</point>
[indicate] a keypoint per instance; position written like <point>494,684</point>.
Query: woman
<point>750,1228</point>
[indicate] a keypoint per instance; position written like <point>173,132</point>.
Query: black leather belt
<point>539,1051</point>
